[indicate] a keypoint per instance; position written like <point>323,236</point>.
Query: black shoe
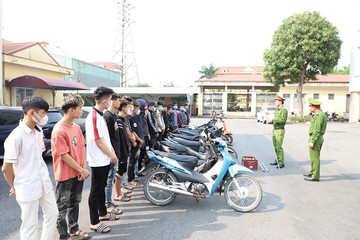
<point>307,175</point>
<point>281,166</point>
<point>311,179</point>
<point>274,163</point>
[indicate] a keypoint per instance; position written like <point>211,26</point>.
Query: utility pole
<point>124,54</point>
<point>1,59</point>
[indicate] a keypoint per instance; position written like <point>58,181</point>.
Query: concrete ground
<point>291,207</point>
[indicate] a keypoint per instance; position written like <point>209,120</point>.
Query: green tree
<point>141,85</point>
<point>304,46</point>
<point>170,84</point>
<point>343,71</point>
<point>208,72</point>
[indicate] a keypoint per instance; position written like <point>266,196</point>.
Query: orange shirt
<point>66,139</point>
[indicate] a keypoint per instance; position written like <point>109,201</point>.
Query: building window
<point>21,94</point>
<point>239,102</point>
<point>331,96</point>
<point>316,96</point>
<point>286,95</point>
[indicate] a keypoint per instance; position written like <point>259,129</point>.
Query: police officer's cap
<point>314,102</point>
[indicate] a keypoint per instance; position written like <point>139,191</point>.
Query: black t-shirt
<point>111,121</point>
<point>134,125</point>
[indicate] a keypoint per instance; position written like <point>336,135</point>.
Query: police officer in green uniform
<point>316,132</point>
<point>279,122</point>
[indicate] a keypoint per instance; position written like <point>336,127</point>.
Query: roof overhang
<point>37,82</point>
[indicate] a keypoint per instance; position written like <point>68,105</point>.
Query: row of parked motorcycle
<point>334,117</point>
<point>199,162</point>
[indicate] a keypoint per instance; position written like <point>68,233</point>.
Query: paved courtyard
<point>291,207</point>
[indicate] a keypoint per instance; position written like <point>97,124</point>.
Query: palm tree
<point>208,72</point>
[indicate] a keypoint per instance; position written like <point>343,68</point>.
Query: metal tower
<point>124,54</point>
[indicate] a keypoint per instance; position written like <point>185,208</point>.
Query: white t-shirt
<point>24,147</point>
<point>96,128</point>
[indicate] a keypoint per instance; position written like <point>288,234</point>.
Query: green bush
<point>295,118</point>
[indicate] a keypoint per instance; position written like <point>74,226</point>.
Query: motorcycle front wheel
<point>156,195</point>
<point>243,193</point>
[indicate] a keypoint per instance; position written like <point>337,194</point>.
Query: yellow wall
<point>36,53</point>
<point>337,105</point>
<point>11,71</point>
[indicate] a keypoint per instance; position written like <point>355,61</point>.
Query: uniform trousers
<point>278,138</point>
<point>315,157</point>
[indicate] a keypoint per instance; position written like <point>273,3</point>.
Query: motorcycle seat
<point>187,142</point>
<point>174,146</point>
<point>186,137</point>
<point>179,158</point>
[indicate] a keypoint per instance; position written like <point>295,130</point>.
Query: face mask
<point>175,107</point>
<point>42,120</point>
<point>154,110</point>
<point>161,109</point>
<point>183,109</point>
<point>131,108</point>
<point>128,111</point>
<point>138,112</point>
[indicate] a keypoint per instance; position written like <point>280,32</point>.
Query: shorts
<point>121,168</point>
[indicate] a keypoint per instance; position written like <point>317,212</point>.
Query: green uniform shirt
<point>318,126</point>
<point>280,117</point>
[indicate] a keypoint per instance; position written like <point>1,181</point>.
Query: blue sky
<point>172,39</point>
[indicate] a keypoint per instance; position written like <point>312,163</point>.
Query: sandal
<point>101,228</point>
<point>80,235</point>
<point>123,198</point>
<point>124,190</point>
<point>114,210</point>
<point>128,187</point>
<point>112,217</point>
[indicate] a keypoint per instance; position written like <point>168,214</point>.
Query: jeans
<point>29,217</point>
<point>109,186</point>
<point>97,206</point>
<point>132,162</point>
<point>68,197</point>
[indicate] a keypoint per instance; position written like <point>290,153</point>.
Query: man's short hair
<point>129,99</point>
<point>136,103</point>
<point>123,103</point>
<point>72,101</point>
<point>34,102</point>
<point>115,96</point>
<point>102,92</point>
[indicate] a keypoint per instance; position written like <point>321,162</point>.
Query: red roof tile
<point>11,48</point>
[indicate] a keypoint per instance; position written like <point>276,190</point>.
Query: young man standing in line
<point>99,155</point>
<point>152,125</point>
<point>26,172</point>
<point>121,178</point>
<point>70,171</point>
<point>135,129</point>
<point>111,121</point>
<point>160,120</point>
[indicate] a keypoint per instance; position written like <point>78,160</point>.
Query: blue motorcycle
<point>174,175</point>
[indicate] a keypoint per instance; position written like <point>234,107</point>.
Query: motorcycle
<point>204,147</point>
<point>219,122</point>
<point>175,175</point>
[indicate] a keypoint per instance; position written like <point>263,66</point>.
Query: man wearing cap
<point>316,132</point>
<point>279,122</point>
<point>152,125</point>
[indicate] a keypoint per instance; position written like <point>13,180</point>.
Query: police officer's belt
<point>278,128</point>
